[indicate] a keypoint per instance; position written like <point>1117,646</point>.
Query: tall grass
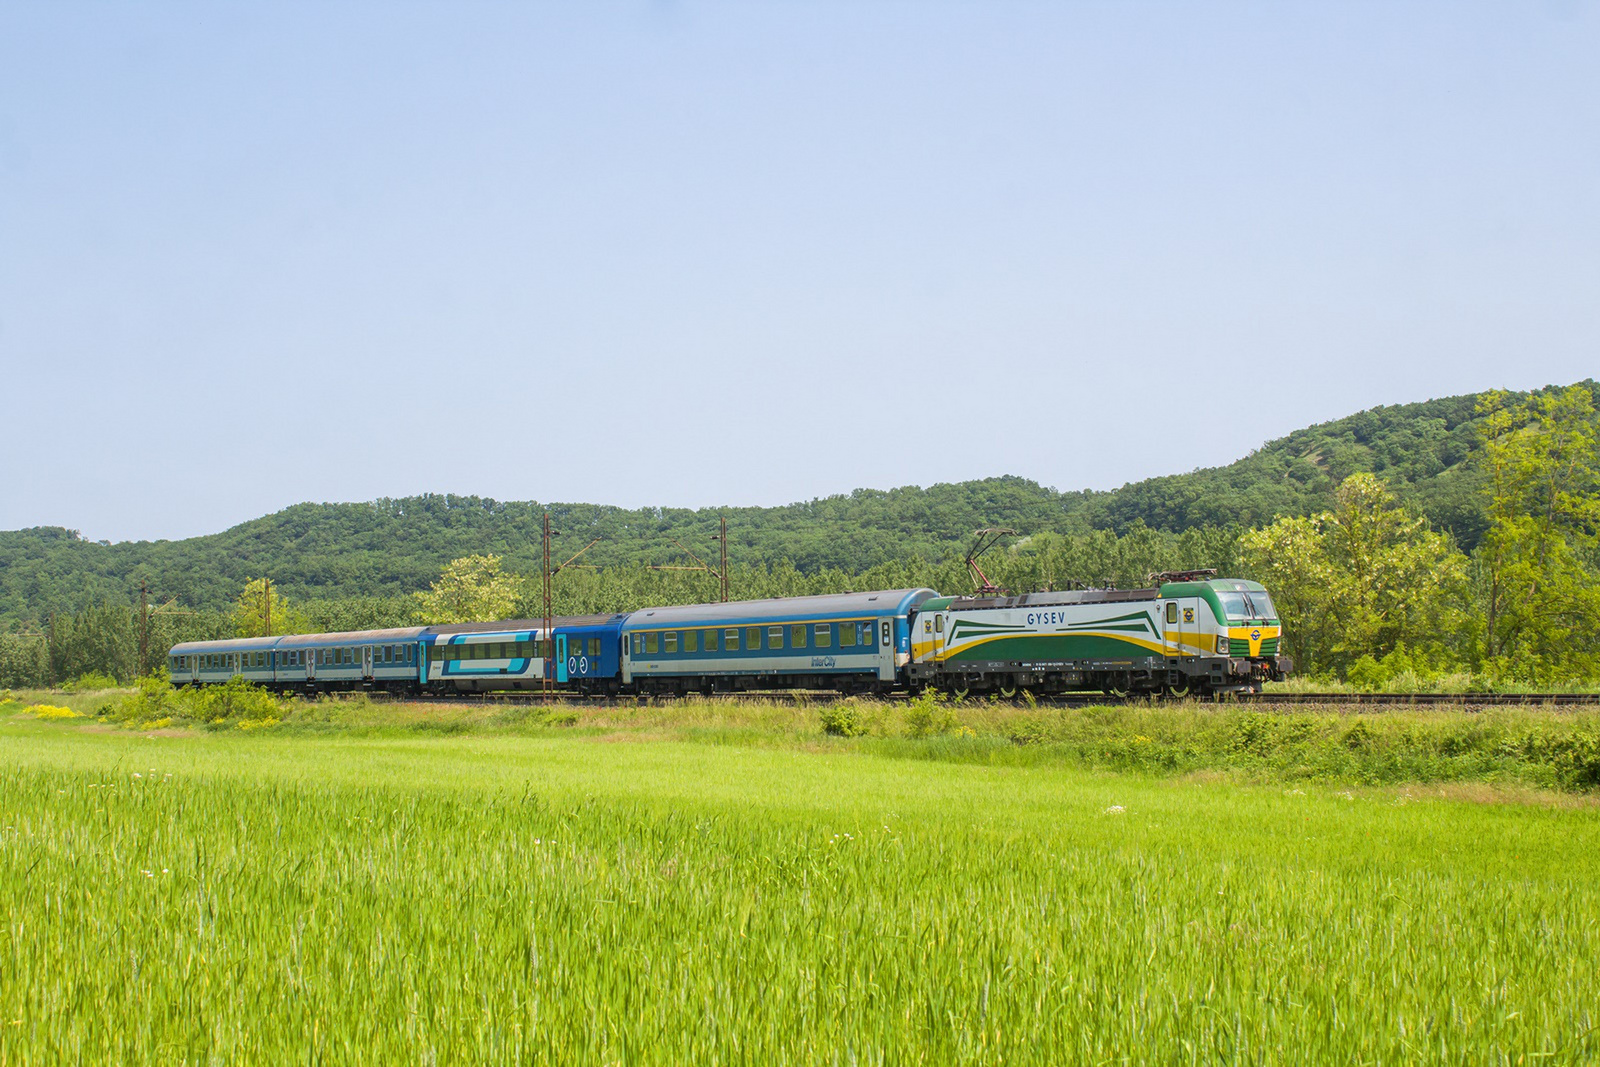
<point>247,897</point>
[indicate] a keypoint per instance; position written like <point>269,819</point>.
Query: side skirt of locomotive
<point>1148,675</point>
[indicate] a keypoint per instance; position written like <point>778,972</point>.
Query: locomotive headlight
<point>1222,644</point>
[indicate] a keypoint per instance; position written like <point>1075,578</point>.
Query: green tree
<point>1537,562</point>
<point>261,611</point>
<point>1362,579</point>
<point>470,589</point>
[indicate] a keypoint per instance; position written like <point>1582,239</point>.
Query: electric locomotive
<point>1188,633</point>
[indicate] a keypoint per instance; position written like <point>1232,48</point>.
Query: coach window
<point>752,637</point>
<point>774,637</point>
<point>691,640</point>
<point>847,634</point>
<point>672,642</point>
<point>797,636</point>
<point>730,639</point>
<point>824,634</point>
<point>652,643</point>
<point>711,640</point>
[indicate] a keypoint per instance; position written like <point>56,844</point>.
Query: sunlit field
<point>596,893</point>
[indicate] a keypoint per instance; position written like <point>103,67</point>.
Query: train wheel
<point>959,694</point>
<point>1008,692</point>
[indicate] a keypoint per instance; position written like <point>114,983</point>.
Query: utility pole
<point>548,686</point>
<point>145,613</point>
<point>266,605</point>
<point>144,627</point>
<point>722,539</point>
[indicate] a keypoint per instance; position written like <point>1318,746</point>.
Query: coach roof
<point>563,622</point>
<point>782,609</point>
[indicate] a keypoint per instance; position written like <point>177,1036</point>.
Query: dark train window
<point>752,637</point>
<point>691,640</point>
<point>797,635</point>
<point>824,634</point>
<point>652,644</point>
<point>711,640</point>
<point>730,639</point>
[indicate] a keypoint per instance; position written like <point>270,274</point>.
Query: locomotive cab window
<point>1172,613</point>
<point>938,624</point>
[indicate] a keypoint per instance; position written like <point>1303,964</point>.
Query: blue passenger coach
<point>475,657</point>
<point>847,641</point>
<point>363,659</point>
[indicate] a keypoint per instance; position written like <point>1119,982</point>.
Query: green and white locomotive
<point>1188,633</point>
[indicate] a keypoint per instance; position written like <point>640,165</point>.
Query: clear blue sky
<point>695,254</point>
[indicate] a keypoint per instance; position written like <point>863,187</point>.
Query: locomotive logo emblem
<point>1255,635</point>
<point>1188,615</point>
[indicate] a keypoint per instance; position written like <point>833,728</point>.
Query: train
<point>1186,633</point>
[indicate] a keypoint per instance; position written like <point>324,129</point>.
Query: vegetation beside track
<point>1336,743</point>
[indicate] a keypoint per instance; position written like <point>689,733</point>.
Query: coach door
<point>366,662</point>
<point>1188,628</point>
<point>561,657</point>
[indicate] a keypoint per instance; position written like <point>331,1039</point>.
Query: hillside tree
<point>1361,579</point>
<point>1538,560</point>
<point>470,589</point>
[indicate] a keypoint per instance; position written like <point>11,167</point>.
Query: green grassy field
<point>611,894</point>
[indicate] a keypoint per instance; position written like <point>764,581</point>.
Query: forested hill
<point>387,547</point>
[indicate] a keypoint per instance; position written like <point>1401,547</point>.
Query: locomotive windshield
<point>1252,605</point>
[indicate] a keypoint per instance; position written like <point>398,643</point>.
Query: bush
<point>234,703</point>
<point>926,715</point>
<point>90,683</point>
<point>50,711</point>
<point>843,720</point>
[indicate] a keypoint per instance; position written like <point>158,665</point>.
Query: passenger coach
<point>849,642</point>
<point>482,656</point>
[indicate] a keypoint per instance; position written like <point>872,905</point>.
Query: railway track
<point>1472,700</point>
<point>1487,700</point>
